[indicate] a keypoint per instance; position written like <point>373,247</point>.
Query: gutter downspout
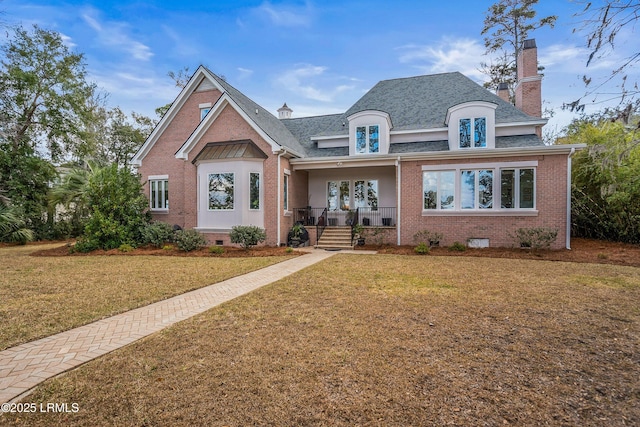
<point>398,203</point>
<point>568,231</point>
<point>283,151</point>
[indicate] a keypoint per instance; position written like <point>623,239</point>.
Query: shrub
<point>422,249</point>
<point>219,250</point>
<point>118,209</point>
<point>430,238</point>
<point>125,247</point>
<point>84,245</point>
<point>247,235</point>
<point>289,250</point>
<point>457,247</point>
<point>189,240</point>
<point>535,238</point>
<point>157,234</point>
<point>167,248</point>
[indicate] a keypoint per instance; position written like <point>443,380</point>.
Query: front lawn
<point>383,340</point>
<point>41,296</point>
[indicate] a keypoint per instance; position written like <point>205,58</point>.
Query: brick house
<point>435,152</point>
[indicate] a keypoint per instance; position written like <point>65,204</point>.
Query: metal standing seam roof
<point>245,149</point>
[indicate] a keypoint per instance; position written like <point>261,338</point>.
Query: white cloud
<point>284,15</point>
<point>304,81</point>
<point>245,73</point>
<point>450,54</point>
<point>68,41</point>
<point>114,34</point>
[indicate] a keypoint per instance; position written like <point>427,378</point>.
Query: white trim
<point>478,212</point>
<point>470,104</point>
<point>495,165</point>
<point>200,74</point>
<point>287,171</point>
<point>205,105</point>
<point>538,122</point>
<point>568,227</point>
<point>155,177</point>
<point>399,201</point>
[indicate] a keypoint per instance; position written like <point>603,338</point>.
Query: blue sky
<point>318,56</point>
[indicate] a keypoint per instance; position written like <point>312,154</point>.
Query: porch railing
<point>321,225</point>
<point>367,217</point>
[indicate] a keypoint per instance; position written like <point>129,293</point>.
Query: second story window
<point>203,112</point>
<point>473,133</point>
<point>367,139</point>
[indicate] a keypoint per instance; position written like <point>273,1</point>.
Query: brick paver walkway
<point>25,366</point>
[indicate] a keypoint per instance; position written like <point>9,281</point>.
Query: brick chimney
<point>503,92</point>
<point>529,85</point>
<point>284,112</point>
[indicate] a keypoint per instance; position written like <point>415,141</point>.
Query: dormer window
<point>475,137</point>
<point>367,139</point>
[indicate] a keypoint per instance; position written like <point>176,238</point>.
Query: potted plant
<point>295,235</point>
<point>357,234</point>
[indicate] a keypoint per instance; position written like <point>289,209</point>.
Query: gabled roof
<point>262,120</point>
<point>266,121</point>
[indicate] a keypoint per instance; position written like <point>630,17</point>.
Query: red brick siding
<point>551,193</point>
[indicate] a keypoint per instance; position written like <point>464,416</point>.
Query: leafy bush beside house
<point>247,235</point>
<point>118,210</point>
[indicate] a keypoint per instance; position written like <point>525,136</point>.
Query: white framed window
<point>338,197</point>
<point>466,188</point>
<point>365,193</point>
<point>204,109</point>
<point>221,191</point>
<point>517,188</point>
<point>159,193</point>
<point>254,191</point>
<point>286,192</point>
<point>472,132</point>
<point>367,139</point>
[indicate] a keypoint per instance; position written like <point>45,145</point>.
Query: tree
<point>43,93</point>
<point>44,109</point>
<point>603,25</point>
<point>12,226</point>
<point>511,22</point>
<point>605,180</point>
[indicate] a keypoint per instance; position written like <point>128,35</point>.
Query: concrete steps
<point>335,238</point>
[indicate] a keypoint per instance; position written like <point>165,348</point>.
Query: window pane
<point>166,194</point>
<point>361,139</point>
<point>485,189</point>
<point>372,193</point>
<point>203,112</point>
<point>344,195</point>
<point>447,189</point>
<point>507,188</point>
<point>286,192</point>
<point>221,191</point>
<point>430,190</point>
<point>468,189</point>
<point>526,188</point>
<point>359,194</point>
<point>332,195</point>
<point>154,194</point>
<point>480,132</point>
<point>254,190</point>
<point>373,139</point>
<point>465,133</point>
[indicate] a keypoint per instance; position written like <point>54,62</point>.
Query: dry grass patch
<point>383,340</point>
<point>40,296</point>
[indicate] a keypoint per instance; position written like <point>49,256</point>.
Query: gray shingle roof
<point>269,123</point>
<point>412,103</point>
<point>422,102</point>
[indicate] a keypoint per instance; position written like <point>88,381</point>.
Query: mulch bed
<point>582,250</point>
